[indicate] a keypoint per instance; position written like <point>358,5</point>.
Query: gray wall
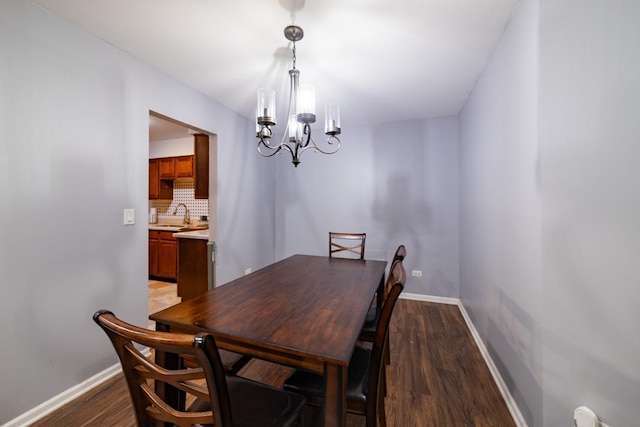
<point>73,154</point>
<point>549,209</point>
<point>590,140</point>
<point>398,182</point>
<point>500,220</point>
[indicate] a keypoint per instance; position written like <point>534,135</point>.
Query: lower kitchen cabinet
<point>192,268</point>
<point>163,255</point>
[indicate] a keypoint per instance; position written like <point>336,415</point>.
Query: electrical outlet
<point>416,273</point>
<point>585,417</point>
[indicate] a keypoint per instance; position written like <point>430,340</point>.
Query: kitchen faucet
<point>187,218</point>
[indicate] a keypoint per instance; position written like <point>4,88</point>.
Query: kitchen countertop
<point>195,234</point>
<point>177,227</point>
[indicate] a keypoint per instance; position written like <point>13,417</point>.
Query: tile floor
<point>161,296</point>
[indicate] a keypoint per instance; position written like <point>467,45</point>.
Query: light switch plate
<point>129,216</point>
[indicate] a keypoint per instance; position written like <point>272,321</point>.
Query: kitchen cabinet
<point>163,171</point>
<point>163,255</point>
<point>153,253</point>
<point>158,188</point>
<point>166,167</point>
<point>192,268</point>
<point>175,167</point>
<point>201,167</point>
<point>183,167</point>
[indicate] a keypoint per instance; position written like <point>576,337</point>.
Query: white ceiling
<point>161,129</point>
<point>381,60</point>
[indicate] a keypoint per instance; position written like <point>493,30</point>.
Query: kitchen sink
<point>194,227</point>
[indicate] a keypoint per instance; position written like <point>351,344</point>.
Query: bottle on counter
<point>153,216</point>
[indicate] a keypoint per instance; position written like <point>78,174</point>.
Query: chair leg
<point>384,380</point>
<point>387,353</point>
<point>382,417</point>
<point>387,361</point>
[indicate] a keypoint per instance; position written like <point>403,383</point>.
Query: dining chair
<point>363,375</point>
<point>212,396</point>
<point>399,255</point>
<point>397,272</point>
<point>348,243</point>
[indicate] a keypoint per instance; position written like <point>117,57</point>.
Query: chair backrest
<point>400,254</point>
<point>397,273</point>
<point>376,363</point>
<point>352,243</point>
<point>142,373</point>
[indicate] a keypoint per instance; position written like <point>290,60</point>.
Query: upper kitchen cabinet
<point>201,150</point>
<point>164,170</point>
<point>158,188</point>
<point>176,167</point>
<point>184,167</point>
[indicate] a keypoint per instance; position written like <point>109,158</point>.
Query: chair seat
<point>272,408</point>
<point>368,332</point>
<point>312,385</point>
<point>257,405</point>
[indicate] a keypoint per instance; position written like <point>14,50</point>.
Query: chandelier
<point>301,114</point>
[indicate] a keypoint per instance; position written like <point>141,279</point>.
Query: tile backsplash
<point>183,192</point>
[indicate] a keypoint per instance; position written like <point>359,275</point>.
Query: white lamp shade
<point>266,107</point>
<point>332,119</point>
<point>295,129</point>
<point>306,104</point>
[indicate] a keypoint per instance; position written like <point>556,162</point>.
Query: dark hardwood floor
<point>437,378</point>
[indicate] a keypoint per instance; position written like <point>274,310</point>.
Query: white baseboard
<point>430,298</point>
<point>63,398</point>
<point>504,390</point>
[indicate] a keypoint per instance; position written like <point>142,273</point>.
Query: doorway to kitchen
<point>182,179</point>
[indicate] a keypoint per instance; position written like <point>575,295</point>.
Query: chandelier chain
<point>294,55</point>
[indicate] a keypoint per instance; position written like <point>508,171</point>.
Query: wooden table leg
<point>174,397</point>
<point>380,293</point>
<point>335,388</point>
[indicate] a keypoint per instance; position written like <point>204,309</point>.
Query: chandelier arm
<point>330,143</point>
<point>307,131</point>
<point>295,157</point>
<point>317,148</point>
<point>275,150</point>
<point>264,135</point>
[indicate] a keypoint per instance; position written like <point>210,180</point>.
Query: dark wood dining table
<point>304,311</point>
